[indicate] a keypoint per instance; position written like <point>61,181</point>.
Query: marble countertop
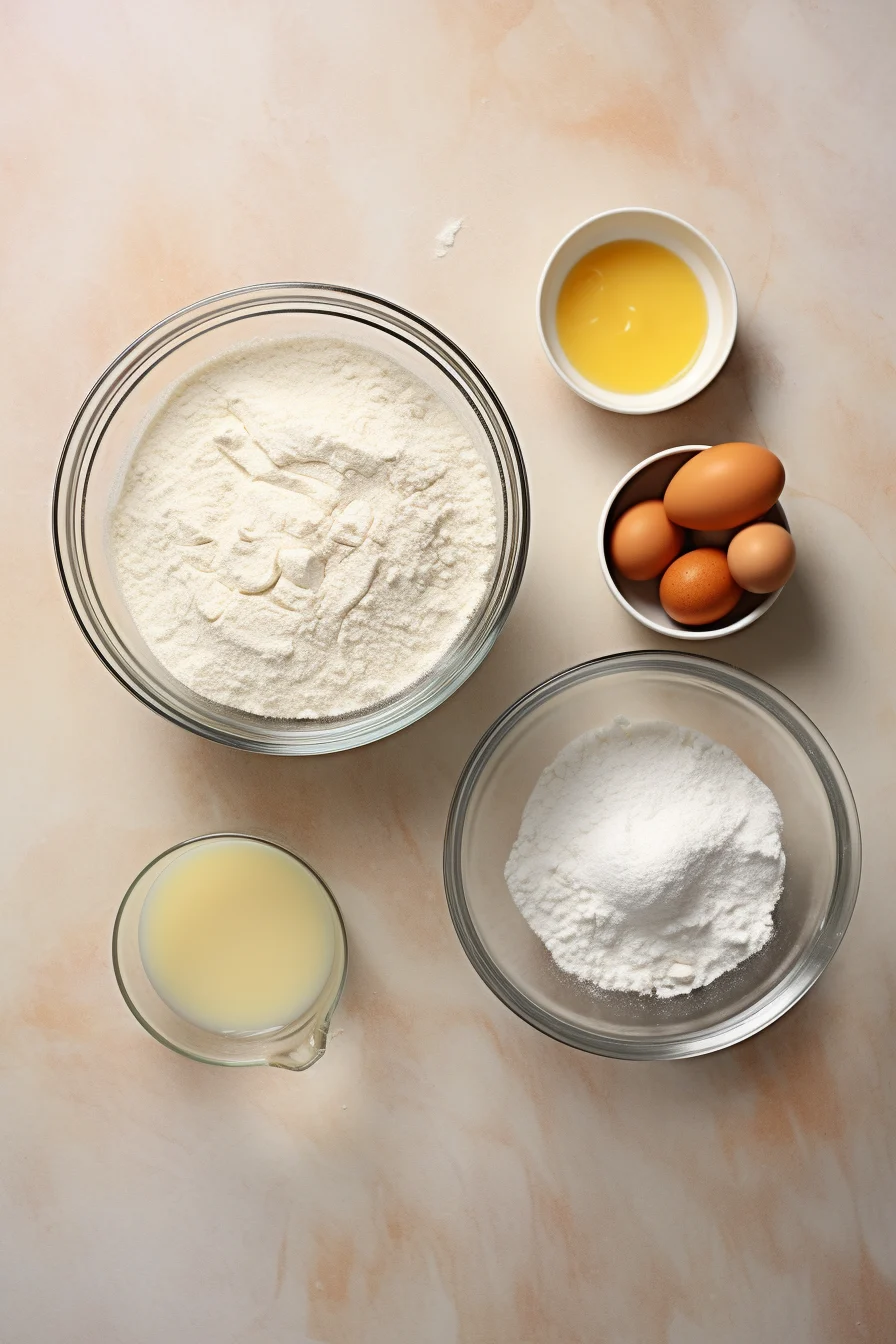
<point>446,1174</point>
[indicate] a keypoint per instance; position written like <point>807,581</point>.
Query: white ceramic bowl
<point>648,480</point>
<point>654,226</point>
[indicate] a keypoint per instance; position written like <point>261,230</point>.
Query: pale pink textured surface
<point>445,1175</point>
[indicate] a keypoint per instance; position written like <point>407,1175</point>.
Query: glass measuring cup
<point>296,1045</point>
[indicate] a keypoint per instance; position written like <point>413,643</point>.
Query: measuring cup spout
<point>302,1053</point>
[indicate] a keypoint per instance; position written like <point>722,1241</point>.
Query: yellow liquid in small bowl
<point>237,936</point>
<point>631,316</point>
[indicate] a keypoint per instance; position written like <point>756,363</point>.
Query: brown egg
<point>697,588</point>
<point>643,541</point>
<point>761,558</point>
<point>724,486</point>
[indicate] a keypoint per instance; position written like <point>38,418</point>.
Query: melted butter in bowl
<point>637,311</point>
<point>631,316</point>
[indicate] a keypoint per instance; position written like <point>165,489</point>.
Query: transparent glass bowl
<point>776,740</point>
<point>97,452</point>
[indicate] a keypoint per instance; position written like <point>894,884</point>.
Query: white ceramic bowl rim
<point>707,365</point>
<point>673,632</point>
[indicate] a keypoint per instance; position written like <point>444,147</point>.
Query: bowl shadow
<point>721,413</point>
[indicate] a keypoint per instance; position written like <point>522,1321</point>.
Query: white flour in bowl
<point>304,529</point>
<point>649,859</point>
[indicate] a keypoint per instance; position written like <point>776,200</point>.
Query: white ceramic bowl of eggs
<point>736,480</point>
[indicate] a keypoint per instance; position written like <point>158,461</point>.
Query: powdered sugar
<point>649,859</point>
<point>305,528</point>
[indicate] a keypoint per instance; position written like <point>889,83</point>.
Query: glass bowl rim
<point>69,494</point>
<point>781,996</point>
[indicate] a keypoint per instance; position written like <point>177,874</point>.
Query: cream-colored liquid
<point>237,936</point>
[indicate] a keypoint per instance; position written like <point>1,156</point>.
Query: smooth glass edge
<point>242,302</point>
<point>801,977</point>
<point>183,844</point>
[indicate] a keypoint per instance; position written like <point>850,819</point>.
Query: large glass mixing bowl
<point>776,740</point>
<point>101,440</point>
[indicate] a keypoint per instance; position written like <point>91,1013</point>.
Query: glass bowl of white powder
<point>292,518</point>
<point>652,856</point>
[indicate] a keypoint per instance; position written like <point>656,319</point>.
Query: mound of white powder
<point>649,859</point>
<point>304,529</point>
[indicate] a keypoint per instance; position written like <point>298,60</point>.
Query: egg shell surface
<point>724,486</point>
<point>762,557</point>
<point>698,589</point>
<point>644,541</point>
